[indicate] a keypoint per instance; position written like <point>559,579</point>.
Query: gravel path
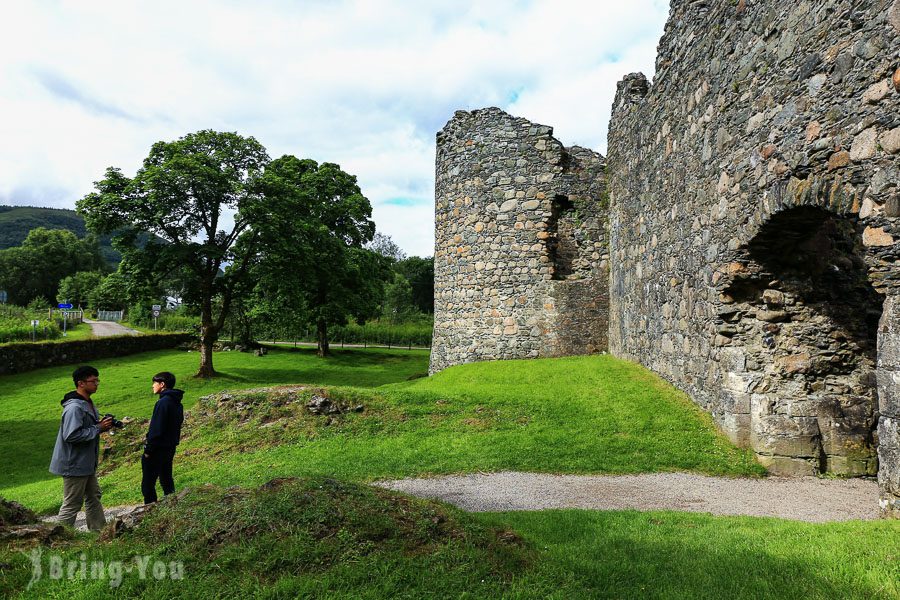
<point>109,328</point>
<point>111,513</point>
<point>798,498</point>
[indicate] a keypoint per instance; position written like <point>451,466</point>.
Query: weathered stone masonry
<point>521,265</point>
<point>754,193</point>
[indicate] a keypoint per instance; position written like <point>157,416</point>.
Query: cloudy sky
<point>88,84</point>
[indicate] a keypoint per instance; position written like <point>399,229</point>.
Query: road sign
<point>155,312</point>
<point>157,308</point>
<point>35,323</point>
<point>64,306</point>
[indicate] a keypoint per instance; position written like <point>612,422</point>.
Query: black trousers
<point>157,465</point>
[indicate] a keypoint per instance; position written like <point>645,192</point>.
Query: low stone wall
<point>18,358</point>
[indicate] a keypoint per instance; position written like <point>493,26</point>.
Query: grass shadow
<point>26,447</point>
<point>630,554</point>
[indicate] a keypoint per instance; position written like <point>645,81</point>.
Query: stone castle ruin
<point>739,240</point>
<point>521,263</point>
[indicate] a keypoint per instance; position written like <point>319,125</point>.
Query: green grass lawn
<point>660,554</point>
<point>81,331</point>
<point>575,415</point>
<point>30,408</point>
<point>325,538</point>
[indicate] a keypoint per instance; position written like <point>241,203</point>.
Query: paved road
<point>109,328</point>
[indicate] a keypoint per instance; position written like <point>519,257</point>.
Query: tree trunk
<point>322,338</point>
<point>208,336</point>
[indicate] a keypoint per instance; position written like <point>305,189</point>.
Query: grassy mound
<point>13,513</point>
<point>232,422</point>
<point>296,537</point>
<point>574,415</point>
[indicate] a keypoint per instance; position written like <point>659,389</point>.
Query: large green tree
<point>78,289</point>
<point>312,244</point>
<point>198,195</point>
<point>34,269</point>
<point>111,294</point>
<point>419,272</point>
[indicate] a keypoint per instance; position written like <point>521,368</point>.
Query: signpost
<point>65,306</point>
<point>34,326</point>
<point>156,309</point>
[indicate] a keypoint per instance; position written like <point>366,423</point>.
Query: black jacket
<point>165,424</point>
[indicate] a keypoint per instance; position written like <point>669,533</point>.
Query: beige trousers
<point>86,490</point>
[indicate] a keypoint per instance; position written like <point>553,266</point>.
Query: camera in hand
<point>115,422</point>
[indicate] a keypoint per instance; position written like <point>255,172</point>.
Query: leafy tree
<point>77,289</point>
<point>419,272</point>
<point>398,298</point>
<point>312,244</point>
<point>185,193</point>
<point>111,294</point>
<point>34,269</point>
<point>384,245</point>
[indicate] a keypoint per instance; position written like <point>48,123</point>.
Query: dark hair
<point>82,373</point>
<point>166,378</point>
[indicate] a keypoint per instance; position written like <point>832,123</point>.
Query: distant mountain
<point>17,221</point>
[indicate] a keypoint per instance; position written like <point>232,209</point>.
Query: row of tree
<point>46,257</point>
<point>237,237</point>
<point>237,234</point>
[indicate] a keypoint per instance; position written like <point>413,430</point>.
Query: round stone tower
<point>521,267</point>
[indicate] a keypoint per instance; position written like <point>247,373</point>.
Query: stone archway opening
<point>806,316</point>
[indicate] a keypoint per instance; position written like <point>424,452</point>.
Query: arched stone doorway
<point>801,322</point>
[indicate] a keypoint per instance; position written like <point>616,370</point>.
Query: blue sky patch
<point>401,201</point>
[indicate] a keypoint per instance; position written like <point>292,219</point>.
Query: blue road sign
<point>64,306</point>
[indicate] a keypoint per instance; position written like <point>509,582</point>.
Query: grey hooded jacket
<point>77,447</point>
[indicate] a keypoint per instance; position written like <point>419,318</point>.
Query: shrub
<point>15,325</point>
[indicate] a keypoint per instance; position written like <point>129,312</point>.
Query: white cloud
<point>89,84</point>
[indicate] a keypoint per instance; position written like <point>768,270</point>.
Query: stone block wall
<point>22,357</point>
<point>754,212</point>
<point>521,264</point>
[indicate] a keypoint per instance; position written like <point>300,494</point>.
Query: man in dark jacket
<point>162,437</point>
<point>77,450</point>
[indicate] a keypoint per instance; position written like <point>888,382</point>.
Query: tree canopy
<point>198,195</point>
<point>312,244</point>
<point>240,234</point>
<point>35,269</point>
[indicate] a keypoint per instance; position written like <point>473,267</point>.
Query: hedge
<point>18,358</point>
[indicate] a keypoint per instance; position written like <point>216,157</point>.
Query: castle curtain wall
<point>754,204</point>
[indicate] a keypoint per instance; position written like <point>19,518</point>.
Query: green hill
<point>17,221</point>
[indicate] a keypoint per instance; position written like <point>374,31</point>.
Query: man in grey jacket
<point>77,451</point>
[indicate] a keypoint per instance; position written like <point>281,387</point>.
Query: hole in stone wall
<point>806,315</point>
<point>561,244</point>
<point>818,257</point>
